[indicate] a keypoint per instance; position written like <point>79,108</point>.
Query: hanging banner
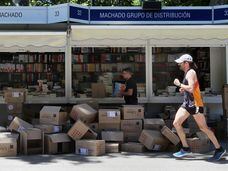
<point>23,15</point>
<point>135,15</point>
<point>221,14</point>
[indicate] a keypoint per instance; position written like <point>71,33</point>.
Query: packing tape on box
<point>16,94</point>
<point>156,147</point>
<point>21,128</point>
<point>83,151</point>
<point>112,114</point>
<point>56,129</point>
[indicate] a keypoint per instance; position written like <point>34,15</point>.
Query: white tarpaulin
<point>23,41</point>
<point>155,35</point>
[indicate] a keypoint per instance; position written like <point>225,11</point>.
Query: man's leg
<point>201,122</point>
<point>180,117</point>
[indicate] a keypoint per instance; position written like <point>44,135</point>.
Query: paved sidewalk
<point>109,162</point>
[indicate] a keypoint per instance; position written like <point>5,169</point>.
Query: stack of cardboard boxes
<point>82,134</point>
<point>94,133</point>
<point>30,137</point>
<point>109,125</point>
<point>14,98</point>
<point>132,126</point>
<point>52,119</point>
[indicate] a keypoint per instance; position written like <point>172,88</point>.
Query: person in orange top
<point>192,105</point>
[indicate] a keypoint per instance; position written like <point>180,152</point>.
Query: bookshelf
<point>24,69</point>
<point>96,64</point>
<point>165,70</point>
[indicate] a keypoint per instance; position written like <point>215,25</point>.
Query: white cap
<point>184,58</point>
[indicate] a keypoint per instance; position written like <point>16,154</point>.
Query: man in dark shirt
<point>130,93</point>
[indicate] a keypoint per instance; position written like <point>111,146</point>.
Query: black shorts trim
<point>194,110</point>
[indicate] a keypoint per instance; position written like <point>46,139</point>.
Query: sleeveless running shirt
<point>192,99</point>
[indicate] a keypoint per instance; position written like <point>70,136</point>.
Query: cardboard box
<point>48,129</point>
<point>133,147</point>
<point>133,112</point>
<point>132,136</point>
<point>153,140</point>
<point>154,124</point>
<point>112,147</point>
<point>7,144</point>
<point>19,125</point>
<point>198,146</point>
<point>170,135</point>
<point>109,126</point>
<point>57,143</point>
<point>79,130</point>
<point>94,127</point>
<point>131,125</point>
<point>15,95</point>
<point>109,116</point>
<point>8,147</point>
<point>31,141</point>
<point>53,115</point>
<point>83,112</point>
<point>14,108</point>
<point>114,136</point>
<point>90,147</point>
<point>98,90</point>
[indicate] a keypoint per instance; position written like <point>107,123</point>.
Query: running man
<point>192,105</point>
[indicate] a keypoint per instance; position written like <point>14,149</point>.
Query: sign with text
<point>79,14</point>
<point>184,15</point>
<point>23,15</point>
<point>221,14</point>
<point>58,13</point>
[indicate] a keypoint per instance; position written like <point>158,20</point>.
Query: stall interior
<point>165,69</point>
<point>40,73</point>
<point>96,70</point>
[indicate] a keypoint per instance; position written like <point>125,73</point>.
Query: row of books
<point>8,67</point>
<point>11,67</point>
<point>108,50</point>
<point>107,67</point>
<point>107,58</point>
<point>41,58</point>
